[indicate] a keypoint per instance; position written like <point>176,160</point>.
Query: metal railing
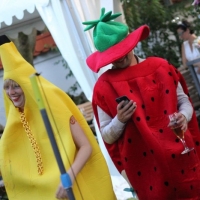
<point>190,65</point>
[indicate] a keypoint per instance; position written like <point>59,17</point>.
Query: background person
<point>190,49</point>
<point>27,163</point>
<point>137,135</point>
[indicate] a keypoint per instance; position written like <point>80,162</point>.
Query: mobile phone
<point>122,98</point>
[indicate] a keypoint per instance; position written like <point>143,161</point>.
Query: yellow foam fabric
<point>17,159</point>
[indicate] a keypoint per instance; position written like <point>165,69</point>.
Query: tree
<point>26,45</point>
<point>163,40</point>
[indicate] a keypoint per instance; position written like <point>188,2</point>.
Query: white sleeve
<point>184,105</point>
<point>111,129</point>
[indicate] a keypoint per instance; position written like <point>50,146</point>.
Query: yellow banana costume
<point>18,163</point>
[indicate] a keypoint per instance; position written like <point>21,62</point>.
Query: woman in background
<point>189,49</point>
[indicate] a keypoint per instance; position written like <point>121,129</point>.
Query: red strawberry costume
<point>148,150</point>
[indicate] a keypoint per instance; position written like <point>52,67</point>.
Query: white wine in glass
<point>178,132</point>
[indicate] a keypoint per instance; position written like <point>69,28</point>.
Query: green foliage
<point>72,90</point>
<point>78,99</point>
<point>163,40</point>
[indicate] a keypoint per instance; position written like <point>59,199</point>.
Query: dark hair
<point>184,25</point>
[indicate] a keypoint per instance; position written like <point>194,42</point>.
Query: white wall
<point>48,66</point>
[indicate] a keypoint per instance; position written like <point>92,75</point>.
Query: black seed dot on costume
<point>144,154</point>
<point>119,163</point>
<point>188,153</point>
<point>154,81</point>
<point>194,169</point>
<point>166,183</point>
<point>161,131</point>
<point>175,189</point>
<point>147,118</point>
<point>131,91</point>
<point>151,151</point>
<point>176,71</point>
<point>182,171</point>
<point>143,106</point>
<point>197,143</point>
<point>151,188</point>
<point>165,112</point>
<point>139,173</point>
<point>167,91</point>
<point>173,156</point>
<point>174,82</point>
<point>152,98</point>
<point>177,140</point>
<point>138,119</point>
<point>102,97</point>
<point>125,159</point>
<point>191,187</point>
<point>129,140</point>
<point>155,169</point>
<point>170,73</point>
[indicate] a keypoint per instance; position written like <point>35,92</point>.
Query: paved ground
<point>119,184</point>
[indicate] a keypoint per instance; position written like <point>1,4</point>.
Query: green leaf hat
<point>111,39</point>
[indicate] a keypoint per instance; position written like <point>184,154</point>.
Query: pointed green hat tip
<point>107,32</point>
<point>104,17</point>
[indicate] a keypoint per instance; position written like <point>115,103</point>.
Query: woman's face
<point>184,35</point>
<point>15,93</point>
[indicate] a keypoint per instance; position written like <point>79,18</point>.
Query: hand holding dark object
<point>125,110</point>
<point>122,98</point>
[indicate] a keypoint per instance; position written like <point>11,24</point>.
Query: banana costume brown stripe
<point>33,142</point>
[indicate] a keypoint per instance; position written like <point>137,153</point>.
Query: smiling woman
<point>15,93</point>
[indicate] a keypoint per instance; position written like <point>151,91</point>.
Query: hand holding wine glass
<point>178,124</point>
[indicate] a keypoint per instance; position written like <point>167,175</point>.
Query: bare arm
<point>83,146</point>
<point>83,154</point>
<point>184,60</point>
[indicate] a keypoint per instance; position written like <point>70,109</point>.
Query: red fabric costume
<point>148,149</point>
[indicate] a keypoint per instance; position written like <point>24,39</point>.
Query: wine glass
<point>178,132</point>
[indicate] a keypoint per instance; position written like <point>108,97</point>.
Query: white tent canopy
<point>10,8</point>
<point>63,19</point>
<point>22,15</point>
<point>74,49</point>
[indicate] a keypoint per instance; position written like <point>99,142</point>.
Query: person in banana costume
<point>27,163</point>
